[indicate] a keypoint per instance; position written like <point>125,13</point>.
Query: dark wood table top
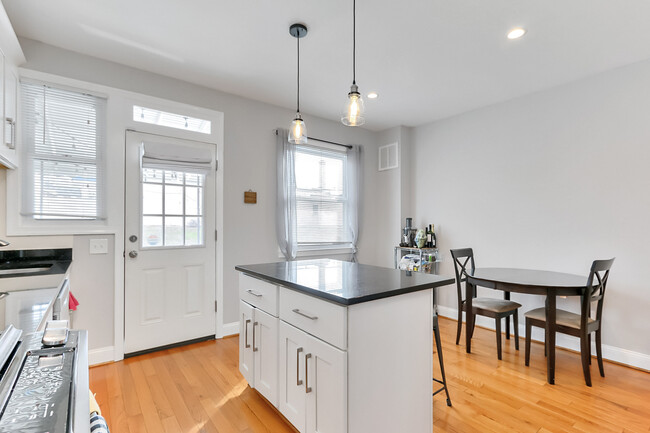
<point>527,280</point>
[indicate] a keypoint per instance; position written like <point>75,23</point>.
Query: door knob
<point>133,254</point>
<point>133,238</point>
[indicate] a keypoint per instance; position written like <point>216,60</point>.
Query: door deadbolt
<point>133,238</point>
<point>133,254</point>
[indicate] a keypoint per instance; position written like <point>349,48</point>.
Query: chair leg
<point>515,324</point>
<point>507,328</point>
<point>599,353</point>
<point>498,326</point>
<point>529,327</point>
<point>460,322</point>
<point>589,347</point>
<point>471,333</point>
<point>584,355</point>
<point>545,354</point>
<point>436,333</point>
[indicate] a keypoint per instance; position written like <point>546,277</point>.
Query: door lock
<point>133,238</point>
<point>133,254</point>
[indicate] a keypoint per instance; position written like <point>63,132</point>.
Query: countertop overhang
<point>344,283</point>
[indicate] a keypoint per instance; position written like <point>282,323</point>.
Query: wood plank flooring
<point>198,388</point>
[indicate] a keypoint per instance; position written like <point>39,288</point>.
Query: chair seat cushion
<point>495,305</point>
<point>562,318</point>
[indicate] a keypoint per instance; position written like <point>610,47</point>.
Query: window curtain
<point>286,195</point>
<point>354,198</point>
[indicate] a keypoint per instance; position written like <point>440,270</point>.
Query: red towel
<point>73,302</point>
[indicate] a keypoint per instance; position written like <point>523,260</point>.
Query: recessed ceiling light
<point>372,95</point>
<point>516,33</point>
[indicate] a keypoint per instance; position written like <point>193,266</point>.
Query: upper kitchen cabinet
<point>11,56</point>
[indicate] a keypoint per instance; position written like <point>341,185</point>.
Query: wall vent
<point>388,157</point>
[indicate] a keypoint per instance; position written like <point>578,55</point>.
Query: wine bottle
<point>433,237</point>
<point>429,237</point>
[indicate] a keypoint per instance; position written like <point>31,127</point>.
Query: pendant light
<point>298,132</point>
<point>353,114</point>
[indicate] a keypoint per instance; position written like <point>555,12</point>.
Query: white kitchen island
<point>340,347</point>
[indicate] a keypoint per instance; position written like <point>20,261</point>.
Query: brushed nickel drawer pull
<point>297,311</point>
<point>307,388</point>
<point>298,381</point>
<point>254,293</point>
<point>246,345</point>
<point>254,325</point>
<point>4,295</point>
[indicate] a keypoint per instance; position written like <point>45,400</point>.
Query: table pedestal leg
<point>550,336</point>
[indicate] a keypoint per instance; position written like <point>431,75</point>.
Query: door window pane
<point>172,208</point>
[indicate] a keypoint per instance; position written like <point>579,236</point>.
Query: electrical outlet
<point>99,246</point>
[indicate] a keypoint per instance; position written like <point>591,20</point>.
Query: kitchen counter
<point>21,263</point>
<point>344,283</point>
<point>26,298</point>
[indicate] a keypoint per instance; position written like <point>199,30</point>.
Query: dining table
<point>535,282</point>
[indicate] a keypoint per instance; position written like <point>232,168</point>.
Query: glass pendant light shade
<point>354,112</point>
<point>298,132</point>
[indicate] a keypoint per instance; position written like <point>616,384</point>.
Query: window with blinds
<point>63,145</point>
<point>321,197</point>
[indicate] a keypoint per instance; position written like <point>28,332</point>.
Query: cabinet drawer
<point>317,317</point>
<point>259,294</point>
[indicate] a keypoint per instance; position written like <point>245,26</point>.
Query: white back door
<point>170,247</point>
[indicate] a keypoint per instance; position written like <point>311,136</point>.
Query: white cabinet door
<point>292,398</point>
<point>246,358</point>
<point>326,407</point>
<point>265,350</point>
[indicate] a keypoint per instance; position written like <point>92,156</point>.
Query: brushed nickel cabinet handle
<point>4,295</point>
<point>297,311</point>
<point>254,325</point>
<point>254,293</point>
<point>298,381</point>
<point>307,388</point>
<point>246,345</point>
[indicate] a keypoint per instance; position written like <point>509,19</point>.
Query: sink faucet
<point>4,243</point>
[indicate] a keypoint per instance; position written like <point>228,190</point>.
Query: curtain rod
<point>324,141</point>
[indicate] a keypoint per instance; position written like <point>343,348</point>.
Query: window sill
<point>314,251</point>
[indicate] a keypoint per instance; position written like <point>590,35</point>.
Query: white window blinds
<point>321,196</point>
<point>63,142</point>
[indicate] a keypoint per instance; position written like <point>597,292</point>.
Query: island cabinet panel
<point>258,350</point>
<point>259,294</point>
<point>317,317</point>
<point>313,385</point>
<point>390,359</point>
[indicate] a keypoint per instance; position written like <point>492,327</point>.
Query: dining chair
<point>489,307</point>
<point>579,325</point>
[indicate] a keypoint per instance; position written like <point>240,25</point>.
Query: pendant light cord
<point>298,79</point>
<point>354,41</point>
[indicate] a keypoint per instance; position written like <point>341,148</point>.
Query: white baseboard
<point>101,355</point>
<point>612,353</point>
<point>231,328</point>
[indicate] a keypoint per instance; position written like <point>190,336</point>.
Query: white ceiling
<point>427,59</point>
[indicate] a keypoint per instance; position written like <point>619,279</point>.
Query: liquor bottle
<point>433,237</point>
<point>429,237</point>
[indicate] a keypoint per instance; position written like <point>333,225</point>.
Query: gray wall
<point>552,181</point>
<point>249,156</point>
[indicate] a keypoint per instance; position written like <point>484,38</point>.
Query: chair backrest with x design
<point>463,261</point>
<point>595,291</point>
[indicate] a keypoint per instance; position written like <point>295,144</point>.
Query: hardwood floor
<point>198,388</point>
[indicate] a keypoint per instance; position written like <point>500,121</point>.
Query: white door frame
<point>216,137</point>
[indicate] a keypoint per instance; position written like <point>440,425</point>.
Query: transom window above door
<point>172,208</point>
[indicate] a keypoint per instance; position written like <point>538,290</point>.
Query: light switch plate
<point>99,246</point>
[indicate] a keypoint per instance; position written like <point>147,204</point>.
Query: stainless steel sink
<point>25,270</point>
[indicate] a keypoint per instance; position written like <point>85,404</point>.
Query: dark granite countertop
<point>23,263</point>
<point>341,282</point>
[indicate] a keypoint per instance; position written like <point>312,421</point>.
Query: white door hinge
<point>215,306</point>
<point>216,165</point>
<point>216,236</point>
